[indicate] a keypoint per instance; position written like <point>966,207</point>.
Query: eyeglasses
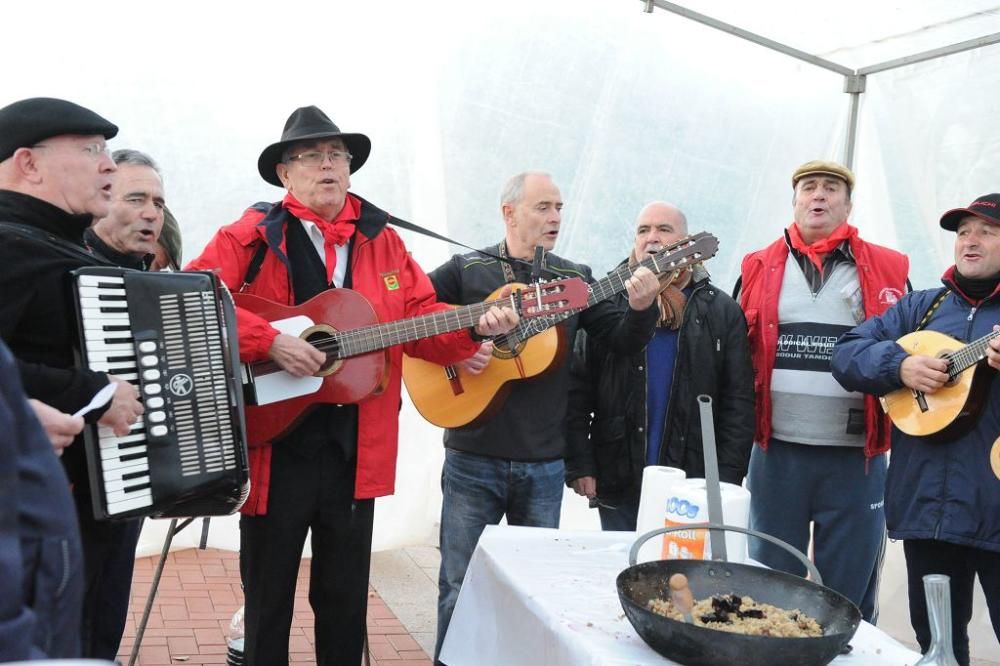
<point>94,150</point>
<point>314,158</point>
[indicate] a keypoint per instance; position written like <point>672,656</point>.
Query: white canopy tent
<point>621,106</point>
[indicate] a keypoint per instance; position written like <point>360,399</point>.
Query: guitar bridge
<point>921,400</point>
<point>451,372</point>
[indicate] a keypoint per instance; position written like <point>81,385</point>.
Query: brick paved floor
<point>200,591</point>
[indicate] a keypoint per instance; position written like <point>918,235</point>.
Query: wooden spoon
<point>680,595</point>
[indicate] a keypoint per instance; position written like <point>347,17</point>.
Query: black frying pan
<point>692,645</point>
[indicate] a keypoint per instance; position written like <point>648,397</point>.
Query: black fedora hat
<point>308,123</point>
<point>986,207</point>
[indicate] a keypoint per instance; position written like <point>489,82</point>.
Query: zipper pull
<point>971,313</point>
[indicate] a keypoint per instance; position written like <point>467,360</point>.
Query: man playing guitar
<point>323,474</point>
<point>942,495</point>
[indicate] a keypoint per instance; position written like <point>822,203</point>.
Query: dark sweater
<point>36,308</point>
<point>531,423</point>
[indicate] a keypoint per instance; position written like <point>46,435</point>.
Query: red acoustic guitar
<point>342,324</point>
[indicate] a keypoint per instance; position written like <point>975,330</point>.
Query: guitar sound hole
<point>502,349</point>
<point>326,343</point>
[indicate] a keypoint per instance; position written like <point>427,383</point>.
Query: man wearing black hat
<point>817,470</point>
<point>324,474</point>
<point>942,494</point>
<point>54,180</point>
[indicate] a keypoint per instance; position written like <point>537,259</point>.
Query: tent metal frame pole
<point>752,37</point>
<point>932,54</point>
<point>855,87</point>
<point>854,80</point>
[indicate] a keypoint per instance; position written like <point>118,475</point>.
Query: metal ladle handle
<point>633,553</point>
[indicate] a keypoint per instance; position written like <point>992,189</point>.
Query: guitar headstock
<point>553,297</point>
<point>685,252</point>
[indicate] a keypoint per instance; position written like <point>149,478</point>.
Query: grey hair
<point>514,189</point>
<point>135,158</point>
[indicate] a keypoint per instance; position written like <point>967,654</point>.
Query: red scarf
<point>817,250</point>
<point>335,232</point>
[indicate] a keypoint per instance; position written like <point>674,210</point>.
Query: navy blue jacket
<point>936,489</point>
<point>41,564</point>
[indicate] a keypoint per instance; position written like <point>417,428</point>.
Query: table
<point>548,597</point>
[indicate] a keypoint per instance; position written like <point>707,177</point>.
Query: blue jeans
<point>478,491</point>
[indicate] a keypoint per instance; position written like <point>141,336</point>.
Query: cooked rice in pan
<point>743,615</point>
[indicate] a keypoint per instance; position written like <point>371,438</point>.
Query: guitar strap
<point>254,268</point>
<point>930,311</point>
<point>508,272</point>
<point>501,256</point>
<point>505,261</point>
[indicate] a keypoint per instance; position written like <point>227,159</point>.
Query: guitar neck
<point>972,353</point>
<point>603,289</point>
<point>381,336</point>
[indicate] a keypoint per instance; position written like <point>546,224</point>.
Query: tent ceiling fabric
<point>856,33</point>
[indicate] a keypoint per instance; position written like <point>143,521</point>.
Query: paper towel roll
<point>687,503</point>
<point>657,482</point>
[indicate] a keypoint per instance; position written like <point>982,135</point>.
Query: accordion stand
<point>172,531</point>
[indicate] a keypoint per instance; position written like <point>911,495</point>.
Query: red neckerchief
<point>335,232</point>
<point>817,250</point>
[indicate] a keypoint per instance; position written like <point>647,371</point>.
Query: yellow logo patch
<point>391,282</point>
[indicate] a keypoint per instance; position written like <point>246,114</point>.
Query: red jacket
<point>882,273</point>
<point>384,273</point>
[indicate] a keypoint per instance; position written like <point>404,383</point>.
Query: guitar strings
<point>961,360</point>
<point>602,289</point>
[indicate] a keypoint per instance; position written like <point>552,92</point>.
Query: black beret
<point>29,121</point>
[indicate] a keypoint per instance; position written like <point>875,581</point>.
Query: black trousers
<point>962,564</point>
<point>307,492</point>
<point>109,558</point>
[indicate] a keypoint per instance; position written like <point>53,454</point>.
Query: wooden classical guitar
<point>919,414</point>
<point>450,397</point>
<point>343,325</point>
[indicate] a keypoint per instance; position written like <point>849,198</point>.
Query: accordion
<point>173,336</point>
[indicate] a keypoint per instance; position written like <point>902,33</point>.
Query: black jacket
<point>530,426</point>
<point>607,404</point>
<point>36,318</point>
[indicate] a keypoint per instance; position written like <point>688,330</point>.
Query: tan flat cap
<point>826,168</point>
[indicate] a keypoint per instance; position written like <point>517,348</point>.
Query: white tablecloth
<point>540,596</point>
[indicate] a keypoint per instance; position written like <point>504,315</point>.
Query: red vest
<point>882,273</point>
